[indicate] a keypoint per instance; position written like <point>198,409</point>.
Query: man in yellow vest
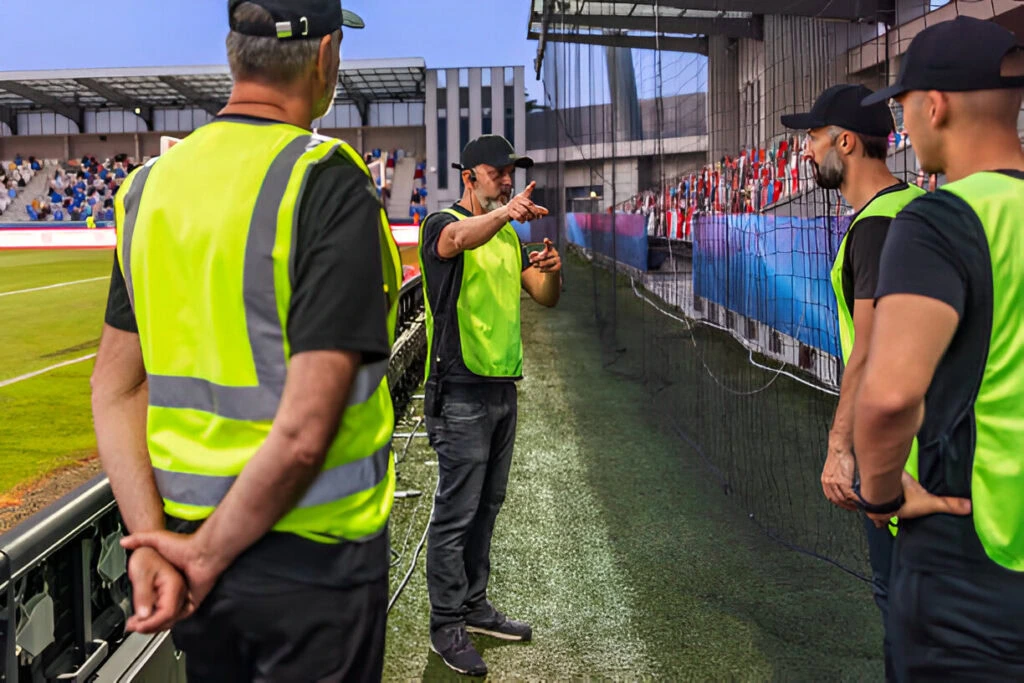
<point>946,364</point>
<point>240,395</point>
<point>848,145</point>
<point>474,269</point>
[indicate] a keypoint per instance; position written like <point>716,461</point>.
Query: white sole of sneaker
<point>453,668</point>
<point>495,634</point>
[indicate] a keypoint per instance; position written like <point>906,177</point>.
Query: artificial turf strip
<point>623,553</point>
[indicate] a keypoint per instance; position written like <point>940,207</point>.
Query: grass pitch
<point>47,421</point>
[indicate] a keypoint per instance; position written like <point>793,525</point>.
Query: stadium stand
<point>754,180</point>
<point>74,190</point>
<point>15,177</point>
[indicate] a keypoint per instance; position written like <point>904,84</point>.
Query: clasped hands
<point>171,575</point>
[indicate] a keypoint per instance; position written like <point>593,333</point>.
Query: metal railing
<point>64,590</point>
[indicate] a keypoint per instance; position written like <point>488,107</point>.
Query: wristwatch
<point>883,509</point>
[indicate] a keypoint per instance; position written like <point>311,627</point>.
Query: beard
<point>830,174</point>
<point>494,203</point>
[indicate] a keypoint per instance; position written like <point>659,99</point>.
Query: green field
<point>46,421</point>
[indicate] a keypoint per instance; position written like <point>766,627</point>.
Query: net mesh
<point>708,242</point>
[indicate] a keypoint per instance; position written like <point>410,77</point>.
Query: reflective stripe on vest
<point>997,474</point>
<point>887,206</point>
<point>203,430</point>
<point>488,307</point>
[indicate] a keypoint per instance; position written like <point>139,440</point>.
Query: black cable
<point>412,565</point>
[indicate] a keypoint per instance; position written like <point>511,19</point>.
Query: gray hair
<point>268,59</point>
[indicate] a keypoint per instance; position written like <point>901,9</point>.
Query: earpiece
<point>472,176</point>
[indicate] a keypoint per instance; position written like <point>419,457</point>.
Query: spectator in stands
<point>947,364</point>
<point>470,400</point>
<point>289,568</point>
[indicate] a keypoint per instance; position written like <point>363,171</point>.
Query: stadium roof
<point>70,92</point>
<point>677,25</point>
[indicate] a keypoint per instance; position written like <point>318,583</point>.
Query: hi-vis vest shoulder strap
<point>997,464</point>
<point>488,307</point>
<point>209,265</point>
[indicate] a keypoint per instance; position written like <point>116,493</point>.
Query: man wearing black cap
<point>947,363</point>
<point>243,415</point>
<point>848,145</point>
<point>474,269</point>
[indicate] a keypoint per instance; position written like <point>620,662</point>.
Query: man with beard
<point>848,145</point>
<point>946,364</point>
<point>474,268</point>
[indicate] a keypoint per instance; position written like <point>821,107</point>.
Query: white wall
<point>180,120</point>
<point>45,123</point>
<point>103,121</point>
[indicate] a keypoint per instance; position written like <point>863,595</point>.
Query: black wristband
<point>883,509</point>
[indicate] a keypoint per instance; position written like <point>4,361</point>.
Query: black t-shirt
<point>337,278</point>
<point>937,248</point>
<point>444,282</point>
<point>863,253</point>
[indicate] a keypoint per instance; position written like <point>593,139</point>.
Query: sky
<point>124,33</point>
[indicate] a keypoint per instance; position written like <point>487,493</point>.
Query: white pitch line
<point>58,366</point>
<point>62,284</point>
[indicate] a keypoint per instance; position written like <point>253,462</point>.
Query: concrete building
<point>383,104</point>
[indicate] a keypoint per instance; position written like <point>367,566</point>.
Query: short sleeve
<point>921,256</point>
<point>119,313</point>
<point>432,229</point>
<point>338,301</point>
<point>866,245</point>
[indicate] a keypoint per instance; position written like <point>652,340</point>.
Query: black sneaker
<point>453,646</point>
<point>500,626</point>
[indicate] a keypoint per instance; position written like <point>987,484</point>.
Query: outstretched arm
<point>470,233</point>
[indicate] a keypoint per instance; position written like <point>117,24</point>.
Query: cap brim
<point>524,162</point>
<point>804,121</point>
<point>352,20</point>
<point>883,95</point>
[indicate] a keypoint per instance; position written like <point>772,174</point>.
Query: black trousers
<point>473,437</point>
<point>277,630</point>
<point>881,543</point>
<point>956,626</point>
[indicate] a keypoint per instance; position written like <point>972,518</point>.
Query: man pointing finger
<point>473,272</point>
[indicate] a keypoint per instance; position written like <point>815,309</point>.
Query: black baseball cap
<point>493,150</point>
<point>296,19</point>
<point>960,55</point>
<point>841,106</point>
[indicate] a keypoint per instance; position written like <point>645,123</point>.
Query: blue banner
<point>622,236</point>
<point>772,269</point>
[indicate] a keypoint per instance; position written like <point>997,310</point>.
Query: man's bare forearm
<point>544,288</point>
<point>288,462</point>
<point>883,435</point>
<point>471,233</point>
<point>120,423</point>
<point>269,486</point>
<point>841,435</point>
